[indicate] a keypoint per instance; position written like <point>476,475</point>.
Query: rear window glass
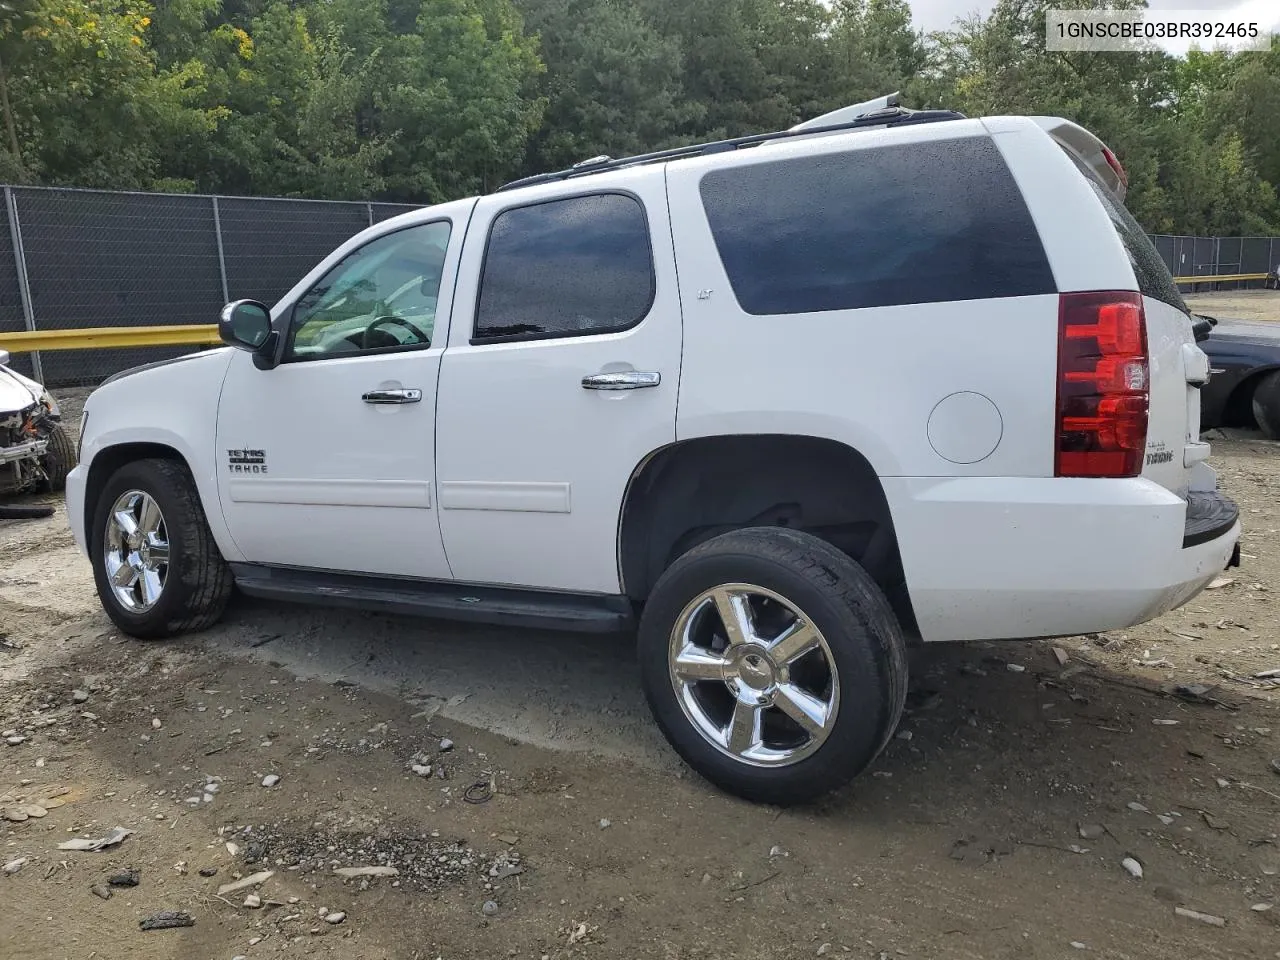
<point>909,223</point>
<point>1153,276</point>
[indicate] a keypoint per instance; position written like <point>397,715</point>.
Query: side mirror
<point>245,324</point>
<point>4,358</point>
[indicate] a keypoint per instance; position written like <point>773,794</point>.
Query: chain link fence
<point>1217,257</point>
<point>94,258</point>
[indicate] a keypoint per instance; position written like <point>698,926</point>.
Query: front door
<point>560,378</point>
<point>327,461</point>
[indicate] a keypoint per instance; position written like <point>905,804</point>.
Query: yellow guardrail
<point>1221,279</point>
<point>174,335</point>
<point>88,338</point>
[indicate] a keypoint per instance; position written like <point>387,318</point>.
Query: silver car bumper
<point>23,451</point>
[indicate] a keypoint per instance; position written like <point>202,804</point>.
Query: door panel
<point>327,461</point>
<point>533,465</point>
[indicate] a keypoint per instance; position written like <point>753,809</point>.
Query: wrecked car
<point>36,452</point>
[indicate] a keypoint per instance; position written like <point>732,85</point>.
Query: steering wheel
<point>383,321</point>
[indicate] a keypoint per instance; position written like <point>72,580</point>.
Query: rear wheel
<point>1266,405</point>
<point>155,564</point>
<point>773,664</point>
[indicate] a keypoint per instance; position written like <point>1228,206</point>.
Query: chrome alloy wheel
<point>754,675</point>
<point>136,551</point>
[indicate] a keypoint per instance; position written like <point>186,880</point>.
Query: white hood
<point>16,391</point>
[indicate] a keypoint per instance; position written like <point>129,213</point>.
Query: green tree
<point>443,89</point>
<point>792,41</point>
<point>1247,99</point>
<point>288,115</point>
<point>1191,166</point>
<point>876,49</point>
<point>87,104</point>
<point>426,100</point>
<point>612,84</point>
<point>723,75</point>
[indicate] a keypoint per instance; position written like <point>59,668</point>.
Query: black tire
<point>842,601</point>
<point>198,583</point>
<point>59,459</point>
<point>25,513</point>
<point>1266,405</point>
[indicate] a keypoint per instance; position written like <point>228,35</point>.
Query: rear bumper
<point>1009,557</point>
<point>1210,515</point>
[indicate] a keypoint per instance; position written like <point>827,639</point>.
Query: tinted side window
<point>911,223</point>
<point>1153,276</point>
<point>575,266</point>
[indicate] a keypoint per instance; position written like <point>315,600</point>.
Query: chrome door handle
<point>392,396</point>
<point>629,380</point>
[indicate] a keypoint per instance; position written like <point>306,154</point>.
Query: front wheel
<point>155,564</point>
<point>773,664</point>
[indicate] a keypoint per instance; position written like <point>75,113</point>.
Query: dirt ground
<point>1237,304</point>
<point>555,823</point>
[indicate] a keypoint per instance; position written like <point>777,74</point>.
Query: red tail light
<point>1114,163</point>
<point>1103,385</point>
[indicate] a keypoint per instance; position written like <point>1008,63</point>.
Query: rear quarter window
<point>908,223</point>
<point>1149,269</point>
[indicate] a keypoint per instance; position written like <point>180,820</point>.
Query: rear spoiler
<point>852,112</point>
<point>1091,151</point>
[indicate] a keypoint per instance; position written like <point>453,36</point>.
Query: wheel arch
<point>1237,410</point>
<point>692,490</point>
<point>197,583</point>
<point>110,459</point>
<point>107,459</point>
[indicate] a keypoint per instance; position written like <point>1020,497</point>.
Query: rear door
<point>560,378</point>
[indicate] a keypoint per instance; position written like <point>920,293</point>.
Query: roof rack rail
<point>875,116</point>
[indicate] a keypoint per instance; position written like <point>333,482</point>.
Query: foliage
<point>612,85</point>
<point>427,100</point>
<point>88,102</point>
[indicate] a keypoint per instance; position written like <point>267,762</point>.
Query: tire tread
<point>850,586</point>
<point>205,575</point>
<point>60,458</point>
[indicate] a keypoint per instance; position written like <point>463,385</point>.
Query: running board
<point>499,606</point>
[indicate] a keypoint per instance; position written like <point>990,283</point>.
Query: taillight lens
<point>1114,163</point>
<point>1103,385</point>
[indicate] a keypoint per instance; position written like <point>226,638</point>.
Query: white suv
<point>785,403</point>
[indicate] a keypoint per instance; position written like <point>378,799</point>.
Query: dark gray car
<point>1244,385</point>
